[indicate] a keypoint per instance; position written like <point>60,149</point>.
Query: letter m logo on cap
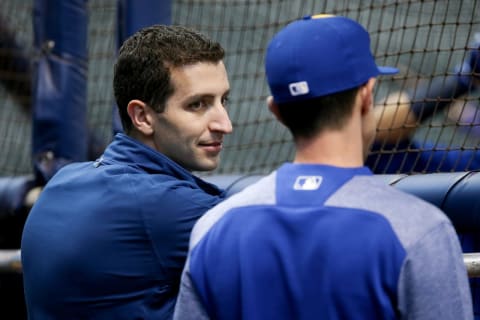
<point>298,88</point>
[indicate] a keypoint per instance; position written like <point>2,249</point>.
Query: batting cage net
<point>427,40</point>
<point>57,106</point>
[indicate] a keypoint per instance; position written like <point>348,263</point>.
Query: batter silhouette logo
<point>307,183</point>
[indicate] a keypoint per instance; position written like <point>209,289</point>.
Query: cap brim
<point>388,70</point>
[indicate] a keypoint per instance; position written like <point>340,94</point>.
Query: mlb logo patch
<point>307,183</point>
<point>298,88</point>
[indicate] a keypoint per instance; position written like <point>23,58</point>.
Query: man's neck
<point>337,148</point>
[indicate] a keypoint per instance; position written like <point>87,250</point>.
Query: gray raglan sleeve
<point>189,305</point>
<point>433,282</point>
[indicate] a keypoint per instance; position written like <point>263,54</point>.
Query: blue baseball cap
<point>319,55</point>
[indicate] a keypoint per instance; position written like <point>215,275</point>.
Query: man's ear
<point>366,94</point>
<point>273,107</point>
<point>141,117</point>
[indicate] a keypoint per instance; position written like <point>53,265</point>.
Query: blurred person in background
<point>398,150</point>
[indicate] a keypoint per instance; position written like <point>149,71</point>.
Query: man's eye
<point>196,105</point>
<point>225,101</point>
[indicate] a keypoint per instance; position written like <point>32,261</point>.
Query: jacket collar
<point>128,151</point>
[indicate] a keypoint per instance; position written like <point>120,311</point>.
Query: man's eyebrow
<point>198,96</point>
<point>205,95</point>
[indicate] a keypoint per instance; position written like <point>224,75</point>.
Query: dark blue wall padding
<point>433,188</point>
<point>132,16</point>
<point>233,183</point>
<point>136,14</point>
<point>463,203</point>
<point>456,193</point>
<point>59,85</point>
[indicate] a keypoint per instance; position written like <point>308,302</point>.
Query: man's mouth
<point>212,146</point>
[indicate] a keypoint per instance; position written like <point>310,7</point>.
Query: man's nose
<point>221,121</point>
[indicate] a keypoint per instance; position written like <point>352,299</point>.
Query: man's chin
<point>207,165</point>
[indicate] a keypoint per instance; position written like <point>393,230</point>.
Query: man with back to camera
<point>321,238</point>
<point>108,239</point>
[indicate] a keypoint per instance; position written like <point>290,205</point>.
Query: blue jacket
<point>108,239</point>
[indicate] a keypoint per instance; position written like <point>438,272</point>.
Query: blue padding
<point>224,181</point>
<point>12,193</point>
<point>136,14</point>
<point>59,86</point>
<point>59,110</point>
<point>432,187</point>
<point>391,179</point>
<point>242,182</point>
<point>462,204</point>
<point>65,23</point>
